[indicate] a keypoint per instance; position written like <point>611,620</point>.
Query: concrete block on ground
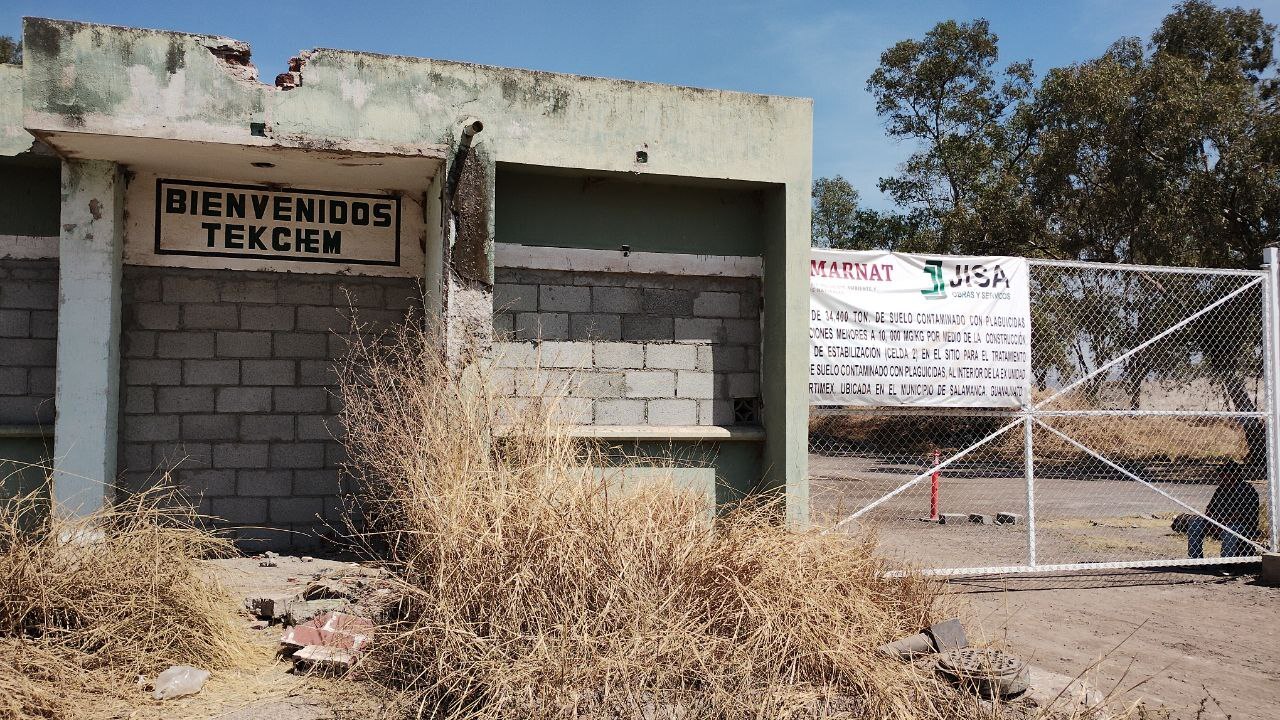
<point>953,518</point>
<point>1270,574</point>
<point>1007,518</point>
<point>980,519</point>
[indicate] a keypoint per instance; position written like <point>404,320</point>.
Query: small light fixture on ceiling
<point>263,164</point>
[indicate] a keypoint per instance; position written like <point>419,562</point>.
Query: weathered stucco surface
<point>13,137</point>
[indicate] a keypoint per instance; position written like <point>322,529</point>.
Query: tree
<point>964,189</point>
<point>10,50</point>
<point>841,224</point>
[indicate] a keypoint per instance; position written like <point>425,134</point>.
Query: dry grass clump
<point>534,588</point>
<point>88,605</point>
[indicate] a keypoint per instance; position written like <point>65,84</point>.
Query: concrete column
<point>88,374</point>
<point>785,349</point>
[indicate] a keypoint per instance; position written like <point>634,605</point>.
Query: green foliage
<point>840,223</point>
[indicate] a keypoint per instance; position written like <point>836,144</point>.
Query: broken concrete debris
<point>990,672</point>
<point>946,635</point>
<point>1008,518</point>
<point>329,642</point>
<point>179,680</point>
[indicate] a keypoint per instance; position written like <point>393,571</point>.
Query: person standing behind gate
<point>1235,505</point>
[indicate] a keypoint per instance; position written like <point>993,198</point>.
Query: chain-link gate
<point>1147,441</point>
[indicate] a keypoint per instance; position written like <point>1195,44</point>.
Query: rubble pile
<point>329,619</point>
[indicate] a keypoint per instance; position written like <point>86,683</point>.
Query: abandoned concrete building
<point>180,244</point>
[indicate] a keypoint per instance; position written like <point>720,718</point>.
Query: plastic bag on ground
<point>179,680</point>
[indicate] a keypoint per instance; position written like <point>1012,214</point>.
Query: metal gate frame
<point>1268,278</point>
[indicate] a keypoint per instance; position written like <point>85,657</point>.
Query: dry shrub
<point>533,588</point>
<point>87,605</point>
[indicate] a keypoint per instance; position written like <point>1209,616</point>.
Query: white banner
<point>890,329</point>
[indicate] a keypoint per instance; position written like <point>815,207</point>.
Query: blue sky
<point>822,50</point>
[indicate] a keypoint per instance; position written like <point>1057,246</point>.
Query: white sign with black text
<point>892,329</point>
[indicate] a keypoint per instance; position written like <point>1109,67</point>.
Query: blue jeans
<point>1232,546</point>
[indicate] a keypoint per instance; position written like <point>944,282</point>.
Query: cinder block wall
<point>28,341</point>
<point>629,348</point>
<point>229,375</point>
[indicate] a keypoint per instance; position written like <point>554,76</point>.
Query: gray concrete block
<point>673,412</point>
<point>651,384</point>
<point>268,317</point>
<point>244,344</point>
<point>137,456</point>
<point>269,372</point>
<point>13,380</point>
<point>980,519</point>
<point>316,482</point>
<point>715,412</point>
<point>293,291</point>
<point>27,351</point>
<point>209,427</point>
<point>153,372</point>
<point>670,357</point>
<point>139,287</point>
<point>742,332</point>
<point>595,326</point>
<point>619,412</point>
<point>180,288</point>
<point>240,455</point>
<point>512,298</point>
<point>618,355</point>
<point>317,372</point>
<point>722,358</point>
<point>403,297</point>
<point>249,291</point>
<point>1007,518</point>
<point>667,302</point>
<point>15,323</point>
<point>357,294</point>
<point>239,510</point>
<point>318,427</point>
<point>1270,575</point>
<point>297,455</point>
<point>44,323</point>
<point>565,354</point>
<point>700,330</point>
<point>564,298</point>
<point>205,372</point>
<point>598,385</point>
<point>541,326</point>
<point>42,381</point>
<point>207,482</point>
<point>504,326</point>
<point>571,410</point>
<point>150,428</point>
<point>153,316</point>
<point>324,319</point>
<point>617,300</point>
<point>647,327</point>
<point>34,295</point>
<point>137,400</point>
<point>301,345</point>
<point>953,519</point>
<point>264,483</point>
<point>515,354</point>
<point>296,509</point>
<point>301,399</point>
<point>182,455</point>
<point>741,385</point>
<point>694,384</point>
<point>244,399</point>
<point>184,345</point>
<point>184,399</point>
<point>261,428</point>
<point>717,304</point>
<point>138,344</point>
<point>210,317</point>
<point>334,455</point>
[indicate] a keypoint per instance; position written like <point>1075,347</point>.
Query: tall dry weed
<point>534,588</point>
<point>87,605</point>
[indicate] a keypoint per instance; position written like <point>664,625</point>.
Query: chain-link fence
<point>1146,441</point>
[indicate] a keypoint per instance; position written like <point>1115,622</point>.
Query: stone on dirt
<point>1065,694</point>
<point>953,518</point>
<point>979,519</point>
<point>268,607</point>
<point>322,658</point>
<point>1007,518</point>
<point>1270,574</point>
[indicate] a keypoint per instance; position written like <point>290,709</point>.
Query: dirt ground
<point>1204,645</point>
